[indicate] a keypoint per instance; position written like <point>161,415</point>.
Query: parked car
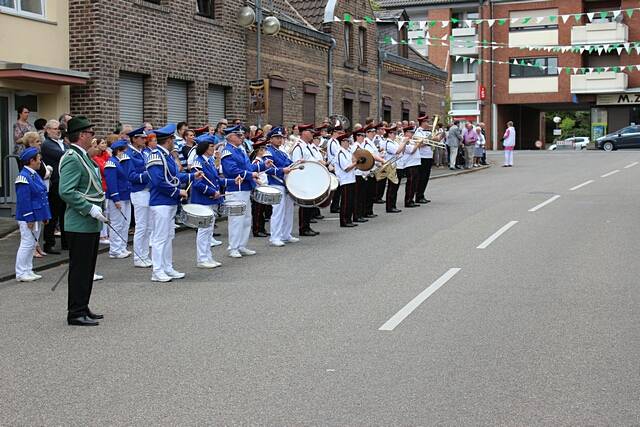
<point>628,137</point>
<point>578,142</point>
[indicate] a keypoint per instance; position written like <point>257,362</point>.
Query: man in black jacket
<point>52,149</point>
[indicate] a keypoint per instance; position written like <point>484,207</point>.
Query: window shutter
<point>276,103</point>
<point>131,99</point>
<point>176,101</point>
<point>215,104</point>
<point>309,108</point>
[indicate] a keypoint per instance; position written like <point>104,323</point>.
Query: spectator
<point>454,138</point>
<point>39,125</point>
<point>219,131</point>
<point>100,157</point>
<point>148,126</point>
<point>479,148</point>
<point>53,148</point>
<point>20,128</point>
<point>188,151</point>
<point>469,138</point>
<point>63,120</point>
<point>439,154</point>
<point>124,132</point>
<point>483,161</point>
<point>509,143</point>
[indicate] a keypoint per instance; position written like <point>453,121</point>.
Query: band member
<point>426,161</point>
<point>379,140</point>
<point>81,190</point>
<point>333,145</point>
<point>411,161</point>
<point>235,162</point>
<point>317,156</point>
<point>164,198</point>
<point>371,183</point>
<point>392,150</point>
<point>282,217</point>
<point>303,151</point>
<point>32,208</point>
<point>118,198</point>
<point>259,211</point>
<point>360,196</point>
<point>345,171</point>
<point>139,179</point>
<point>206,192</point>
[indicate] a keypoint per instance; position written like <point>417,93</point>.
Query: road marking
<point>584,184</point>
<point>631,165</point>
<point>497,234</point>
<point>610,173</point>
<point>397,318</point>
<point>545,203</point>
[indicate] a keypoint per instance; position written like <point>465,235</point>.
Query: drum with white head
<point>195,216</point>
<point>309,185</point>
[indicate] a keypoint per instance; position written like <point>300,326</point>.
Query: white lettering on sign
<point>619,99</point>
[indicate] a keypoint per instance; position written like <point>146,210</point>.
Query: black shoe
<point>360,220</point>
<point>216,234</point>
<point>411,205</point>
<point>349,225</point>
<point>313,221</point>
<point>314,232</point>
<point>394,210</point>
<point>260,234</point>
<point>422,201</point>
<point>94,316</point>
<point>334,211</point>
<point>50,250</point>
<point>379,202</point>
<point>370,215</point>
<point>308,233</point>
<point>319,217</point>
<point>82,321</point>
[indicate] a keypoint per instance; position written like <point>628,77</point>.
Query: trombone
<point>426,141</point>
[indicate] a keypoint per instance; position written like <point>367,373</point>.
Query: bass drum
<point>309,186</point>
<point>334,186</point>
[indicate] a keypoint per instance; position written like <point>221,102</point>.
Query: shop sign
<point>619,99</point>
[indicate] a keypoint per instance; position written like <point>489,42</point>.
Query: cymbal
<point>364,159</point>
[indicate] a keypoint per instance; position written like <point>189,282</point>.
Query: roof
<point>414,3</point>
<point>312,10</point>
<point>41,74</point>
<point>390,15</point>
<point>424,65</point>
<point>292,19</point>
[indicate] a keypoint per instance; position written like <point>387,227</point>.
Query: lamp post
<point>247,16</point>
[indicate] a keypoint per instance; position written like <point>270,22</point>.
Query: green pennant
<point>603,15</point>
<point>615,69</point>
<point>629,12</point>
<point>599,69</point>
<point>610,49</point>
<point>432,23</point>
<point>478,22</point>
<point>454,20</point>
<point>502,21</point>
<point>386,40</point>
<point>369,20</point>
<point>553,18</point>
<point>567,70</point>
<point>347,17</point>
<point>480,61</point>
<point>577,17</point>
<point>629,67</point>
<point>403,42</point>
<point>526,20</point>
<point>410,25</point>
<point>420,41</point>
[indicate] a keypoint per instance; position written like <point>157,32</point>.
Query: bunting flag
<point>567,70</point>
<point>615,14</point>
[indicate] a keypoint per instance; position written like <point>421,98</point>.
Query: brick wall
<point>161,42</point>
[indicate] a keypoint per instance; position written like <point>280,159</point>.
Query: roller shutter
<point>215,104</point>
<point>131,99</point>
<point>176,101</point>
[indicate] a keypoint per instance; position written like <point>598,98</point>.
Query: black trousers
<point>58,206</point>
<point>411,174</point>
<point>360,196</point>
<point>424,173</point>
<point>370,195</point>
<point>304,218</point>
<point>335,201</point>
<point>380,188</point>
<point>83,253</point>
<point>392,194</point>
<point>258,211</point>
<point>348,206</point>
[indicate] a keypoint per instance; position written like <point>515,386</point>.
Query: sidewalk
<point>10,237</point>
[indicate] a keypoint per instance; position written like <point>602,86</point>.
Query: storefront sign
<point>483,92</point>
<point>258,96</point>
<point>619,99</point>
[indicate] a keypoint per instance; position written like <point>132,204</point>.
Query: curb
<point>460,172</point>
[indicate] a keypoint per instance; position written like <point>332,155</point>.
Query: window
<point>176,101</point>
<point>528,20</point>
<point>276,103</point>
<point>309,108</point>
<point>365,110</point>
<point>630,129</point>
<point>29,101</point>
<point>24,7</point>
<point>131,101</point>
<point>347,109</point>
<point>386,114</point>
<point>464,67</point>
<point>206,8</point>
<point>362,46</point>
<point>406,114</point>
<point>517,71</point>
<point>463,17</point>
<point>348,42</point>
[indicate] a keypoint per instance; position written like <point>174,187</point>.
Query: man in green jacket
<point>81,190</point>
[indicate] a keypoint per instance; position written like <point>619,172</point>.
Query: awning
<point>47,75</point>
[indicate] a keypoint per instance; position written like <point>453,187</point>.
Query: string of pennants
<point>422,24</point>
<point>628,47</point>
<point>567,70</point>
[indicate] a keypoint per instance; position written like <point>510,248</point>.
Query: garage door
<point>131,99</point>
<point>215,104</point>
<point>176,101</point>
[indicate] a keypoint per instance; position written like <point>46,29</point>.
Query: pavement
<point>10,237</point>
<point>400,321</point>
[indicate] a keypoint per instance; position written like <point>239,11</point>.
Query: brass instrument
<point>364,160</point>
<point>386,170</point>
<point>427,141</point>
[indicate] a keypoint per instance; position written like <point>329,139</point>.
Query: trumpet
<point>427,141</point>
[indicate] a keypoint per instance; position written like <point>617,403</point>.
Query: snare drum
<point>233,208</point>
<point>267,195</point>
<point>195,216</point>
<point>334,186</point>
<point>309,187</point>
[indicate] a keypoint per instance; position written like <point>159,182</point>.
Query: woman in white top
<point>509,143</point>
<point>479,148</point>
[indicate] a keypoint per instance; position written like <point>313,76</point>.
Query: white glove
<point>49,172</point>
<point>96,212</point>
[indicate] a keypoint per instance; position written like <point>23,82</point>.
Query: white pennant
<point>491,22</point>
<point>606,47</point>
<point>445,24</point>
<point>457,58</point>
<point>422,24</point>
<point>616,13</point>
<point>393,42</point>
<point>590,70</point>
<point>514,20</point>
<point>582,49</point>
<point>575,70</point>
<point>638,67</point>
<point>565,18</point>
<point>401,24</point>
<point>336,19</point>
<point>472,60</point>
<point>444,37</point>
<point>590,15</point>
<point>494,47</point>
<point>619,49</point>
<point>606,69</point>
<point>539,19</point>
<point>600,50</point>
<point>468,22</point>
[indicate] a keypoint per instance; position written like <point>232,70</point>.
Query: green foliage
<point>574,123</point>
<point>374,5</point>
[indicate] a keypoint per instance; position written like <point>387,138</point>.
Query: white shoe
<point>215,242</point>
<point>97,277</point>
<point>142,264</point>
<point>248,252</point>
<point>26,278</point>
<point>235,253</point>
<point>175,274</point>
<point>121,255</point>
<point>160,277</point>
<point>176,225</point>
<point>206,265</point>
<point>277,243</point>
<point>37,276</point>
<point>292,240</point>
<point>105,242</point>
<point>216,263</point>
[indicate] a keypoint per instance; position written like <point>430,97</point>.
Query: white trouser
<point>281,222</point>
<point>453,153</point>
<point>24,257</point>
<point>203,242</point>
<point>508,157</point>
<point>120,222</point>
<point>239,226</point>
<point>140,200</point>
<point>162,234</point>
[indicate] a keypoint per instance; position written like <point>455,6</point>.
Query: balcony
<point>465,41</point>
<point>605,82</point>
<point>464,87</point>
<point>600,32</point>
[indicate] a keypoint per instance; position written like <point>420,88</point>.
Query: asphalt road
<point>401,321</point>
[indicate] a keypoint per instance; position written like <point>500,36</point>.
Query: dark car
<point>628,137</point>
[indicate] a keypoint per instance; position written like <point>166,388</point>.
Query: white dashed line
<point>545,203</point>
<point>631,165</point>
<point>397,318</point>
<point>497,234</point>
<point>610,173</point>
<point>584,184</point>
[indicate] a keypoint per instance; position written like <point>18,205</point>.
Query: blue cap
<point>137,132</point>
<point>165,132</point>
<point>277,131</point>
<point>119,144</point>
<point>29,154</point>
<point>239,129</point>
<point>206,137</point>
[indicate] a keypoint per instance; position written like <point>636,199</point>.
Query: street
<point>511,299</point>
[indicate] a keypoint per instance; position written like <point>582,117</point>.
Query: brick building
<point>495,93</point>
